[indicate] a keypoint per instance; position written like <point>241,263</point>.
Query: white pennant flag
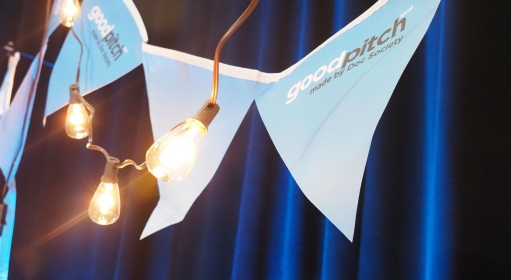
<point>177,86</point>
<point>13,133</point>
<point>112,33</point>
<point>6,88</point>
<point>322,116</point>
<point>321,113</point>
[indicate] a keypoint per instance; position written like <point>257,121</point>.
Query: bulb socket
<point>73,91</point>
<point>207,113</point>
<point>110,175</point>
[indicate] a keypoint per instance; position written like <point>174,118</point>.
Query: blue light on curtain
<point>437,196</point>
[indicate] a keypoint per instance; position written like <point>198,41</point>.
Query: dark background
<point>435,200</point>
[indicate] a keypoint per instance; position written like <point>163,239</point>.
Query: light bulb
<point>68,12</point>
<point>172,156</point>
<point>77,121</point>
<point>105,206</point>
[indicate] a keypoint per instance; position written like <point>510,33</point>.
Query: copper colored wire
<point>216,61</point>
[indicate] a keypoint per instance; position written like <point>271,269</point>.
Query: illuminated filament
<point>68,12</point>
<point>77,122</point>
<point>171,158</point>
<point>105,206</point>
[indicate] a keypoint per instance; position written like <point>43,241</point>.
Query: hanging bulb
<point>172,156</point>
<point>68,12</point>
<point>77,121</point>
<point>105,206</point>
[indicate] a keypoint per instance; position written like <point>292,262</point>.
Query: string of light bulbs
<point>169,159</point>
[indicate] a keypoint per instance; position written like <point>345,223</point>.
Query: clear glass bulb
<point>105,206</point>
<point>68,12</point>
<point>172,156</point>
<point>77,121</point>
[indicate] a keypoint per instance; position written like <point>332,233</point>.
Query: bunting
<point>321,113</point>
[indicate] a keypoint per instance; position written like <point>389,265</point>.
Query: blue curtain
<point>435,196</point>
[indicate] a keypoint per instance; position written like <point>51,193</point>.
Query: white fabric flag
<point>322,116</point>
<point>177,85</point>
<point>112,33</point>
<point>12,137</point>
<point>6,88</point>
<point>321,113</point>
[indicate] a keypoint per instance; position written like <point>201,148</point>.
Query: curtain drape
<point>435,196</point>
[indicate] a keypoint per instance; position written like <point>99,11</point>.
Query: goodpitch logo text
<point>107,40</point>
<point>351,59</point>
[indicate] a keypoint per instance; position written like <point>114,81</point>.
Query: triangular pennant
<point>177,85</point>
<point>322,116</point>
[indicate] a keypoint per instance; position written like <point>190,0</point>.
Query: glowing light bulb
<point>77,121</point>
<point>68,12</point>
<point>172,156</point>
<point>105,206</point>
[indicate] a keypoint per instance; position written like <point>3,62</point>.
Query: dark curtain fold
<point>435,196</point>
